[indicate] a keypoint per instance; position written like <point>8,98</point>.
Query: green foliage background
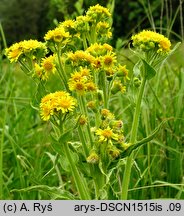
<point>22,19</point>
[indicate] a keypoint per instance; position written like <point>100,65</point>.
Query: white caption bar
<point>92,207</point>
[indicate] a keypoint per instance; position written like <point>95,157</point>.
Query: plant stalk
<point>79,181</point>
<point>133,137</point>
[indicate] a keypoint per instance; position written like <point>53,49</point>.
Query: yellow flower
<point>28,45</point>
<point>47,67</point>
<point>81,82</point>
<point>14,52</point>
<point>109,60</point>
<point>24,48</point>
<point>98,13</point>
<point>106,114</point>
<point>57,35</point>
<point>106,134</point>
<point>48,64</point>
<point>103,29</point>
<point>54,103</point>
<point>39,72</point>
<point>118,87</point>
<point>78,86</point>
<point>99,50</point>
<point>149,40</point>
<point>68,24</point>
<point>81,58</point>
<point>82,24</point>
<point>122,71</point>
<point>90,86</point>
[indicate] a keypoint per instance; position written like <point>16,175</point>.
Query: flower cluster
<point>81,58</point>
<point>57,35</point>
<point>88,69</point>
<point>98,13</point>
<point>55,103</point>
<point>109,134</point>
<point>27,48</point>
<point>149,40</point>
<point>81,81</point>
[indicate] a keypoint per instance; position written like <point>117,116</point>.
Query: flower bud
<point>116,124</point>
<point>82,120</point>
<point>122,71</point>
<point>93,158</point>
<point>116,87</point>
<point>137,82</point>
<point>114,152</point>
<point>92,105</point>
<point>125,145</point>
<point>100,95</point>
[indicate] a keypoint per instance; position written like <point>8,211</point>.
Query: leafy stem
<point>128,166</point>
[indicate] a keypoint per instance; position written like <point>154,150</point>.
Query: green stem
<point>84,110</point>
<point>128,166</point>
<point>1,163</point>
<point>83,141</point>
<point>105,90</point>
<point>61,70</point>
<point>85,45</point>
<point>79,181</point>
<point>3,36</point>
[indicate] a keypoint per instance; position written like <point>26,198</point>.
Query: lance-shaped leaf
<point>150,72</point>
<point>134,146</point>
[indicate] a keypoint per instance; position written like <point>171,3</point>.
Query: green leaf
<point>150,72</point>
<point>53,192</point>
<point>134,146</point>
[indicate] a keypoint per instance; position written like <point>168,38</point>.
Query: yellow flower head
<point>81,82</point>
<point>122,71</point>
<point>24,48</point>
<point>82,24</point>
<point>109,60</point>
<point>46,68</point>
<point>81,58</point>
<point>106,114</point>
<point>68,24</point>
<point>149,40</point>
<point>28,45</point>
<point>39,72</point>
<point>97,50</point>
<point>14,52</point>
<point>54,103</point>
<point>98,13</point>
<point>118,87</point>
<point>106,134</point>
<point>48,64</point>
<point>57,35</point>
<point>103,29</point>
<point>78,86</point>
<point>90,86</point>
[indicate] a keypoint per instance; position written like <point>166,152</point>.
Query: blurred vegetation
<point>22,19</point>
